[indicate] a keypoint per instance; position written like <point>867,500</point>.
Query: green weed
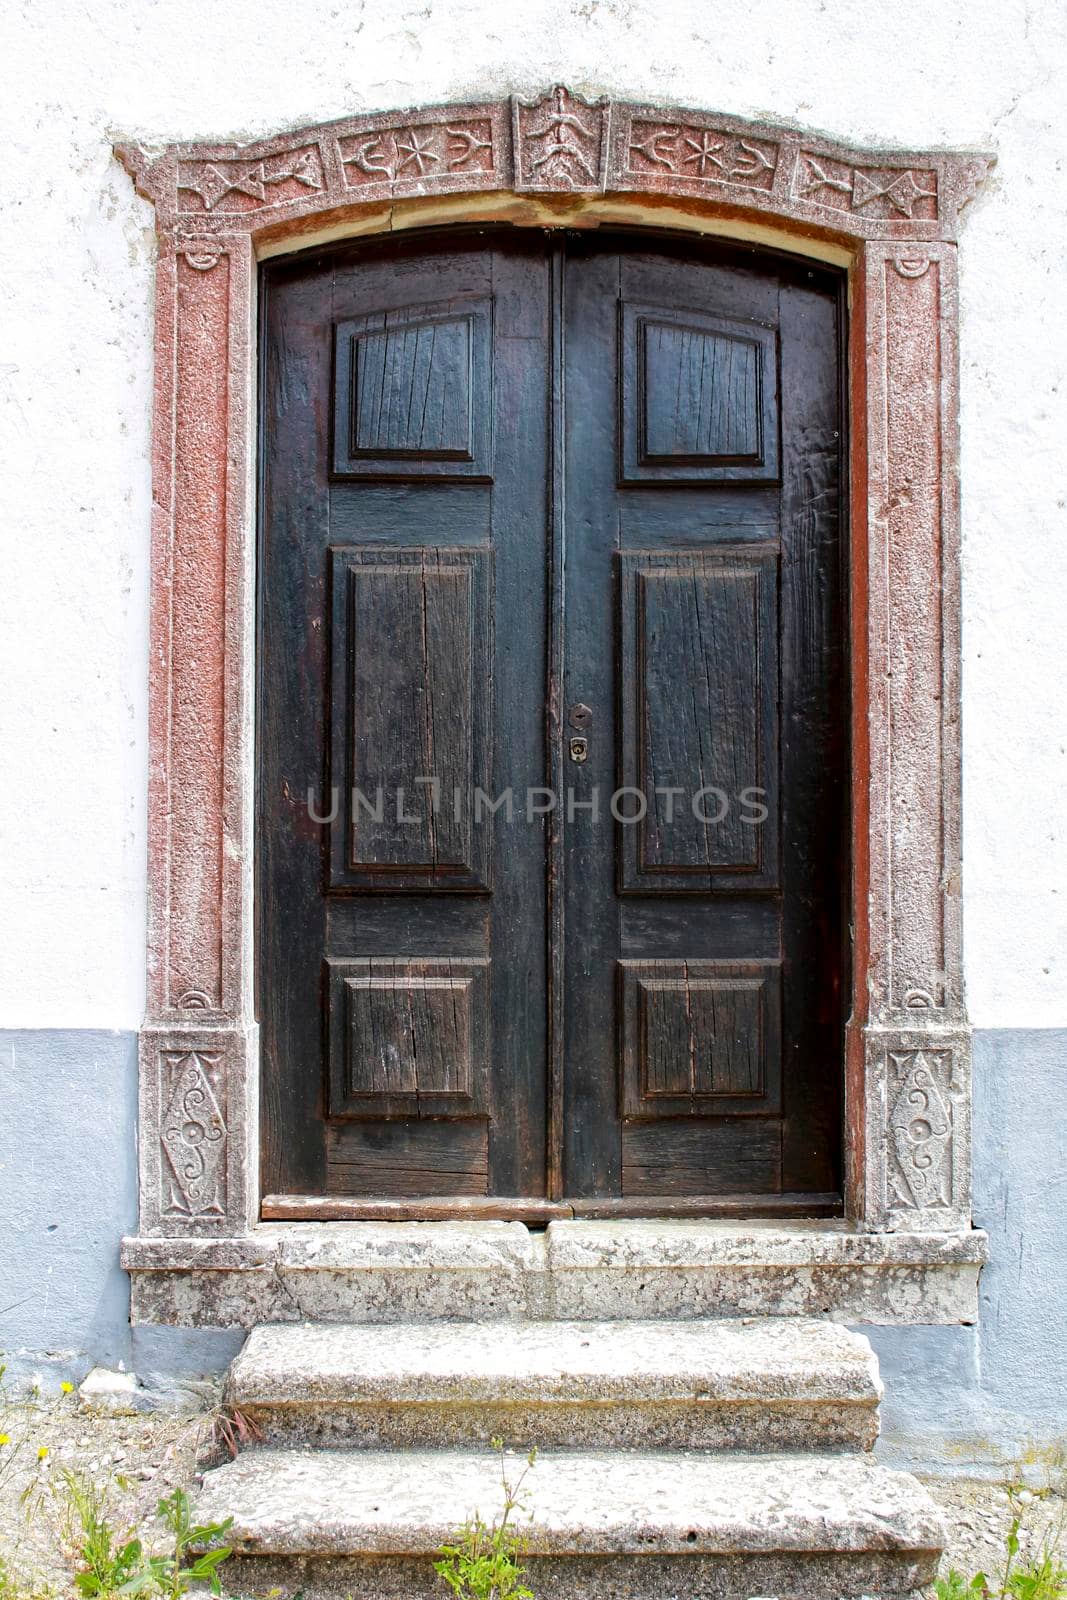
<point>1040,1577</point>
<point>21,1448</point>
<point>483,1563</point>
<point>108,1564</point>
<point>196,1553</point>
<point>14,1586</point>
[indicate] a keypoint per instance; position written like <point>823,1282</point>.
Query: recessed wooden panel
<point>407,1038</point>
<point>698,674</point>
<point>699,397</point>
<point>411,719</point>
<point>700,1038</point>
<point>407,1158</point>
<point>413,393</point>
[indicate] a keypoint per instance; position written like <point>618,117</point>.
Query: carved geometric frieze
<point>417,151</point>
<point>242,186</point>
<point>558,143</point>
<point>884,192</point>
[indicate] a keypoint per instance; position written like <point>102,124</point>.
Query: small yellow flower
<point>67,1388</point>
<point>5,1438</point>
<point>42,1452</point>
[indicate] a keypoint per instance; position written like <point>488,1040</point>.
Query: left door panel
<point>400,972</point>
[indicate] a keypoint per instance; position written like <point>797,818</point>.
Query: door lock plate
<point>579,750</point>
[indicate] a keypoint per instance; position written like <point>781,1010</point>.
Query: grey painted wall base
<point>993,1398</point>
<point>984,1399</point>
<point>68,1189</point>
<point>68,1193</point>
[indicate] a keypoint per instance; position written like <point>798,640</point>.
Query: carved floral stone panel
<point>414,151</point>
<point>920,1127</point>
<point>659,147</point>
<point>193,1133</point>
<point>560,142</point>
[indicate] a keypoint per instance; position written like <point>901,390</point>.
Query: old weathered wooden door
<point>552,729</point>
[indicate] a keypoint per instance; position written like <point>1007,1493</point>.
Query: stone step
<point>736,1383</point>
<point>646,1526</point>
<point>388,1272</point>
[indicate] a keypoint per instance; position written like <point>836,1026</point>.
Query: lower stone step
<point>601,1526</point>
<point>739,1383</point>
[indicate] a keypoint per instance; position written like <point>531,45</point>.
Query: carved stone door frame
<point>891,218</point>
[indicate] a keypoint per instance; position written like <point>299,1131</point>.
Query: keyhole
<point>579,750</point>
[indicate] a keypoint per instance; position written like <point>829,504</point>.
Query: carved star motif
<point>705,150</point>
<point>415,150</point>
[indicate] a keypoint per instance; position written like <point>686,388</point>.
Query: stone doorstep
<point>573,1270</point>
<point>698,1524</point>
<point>742,1383</point>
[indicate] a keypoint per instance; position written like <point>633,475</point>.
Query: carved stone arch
<point>891,217</point>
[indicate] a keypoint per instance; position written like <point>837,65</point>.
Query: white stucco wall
<point>76,255</point>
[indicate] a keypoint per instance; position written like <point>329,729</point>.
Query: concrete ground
<point>135,1460</point>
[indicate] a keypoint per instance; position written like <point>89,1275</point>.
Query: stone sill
<point>585,1271</point>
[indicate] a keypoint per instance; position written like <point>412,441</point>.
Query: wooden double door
<point>552,756</point>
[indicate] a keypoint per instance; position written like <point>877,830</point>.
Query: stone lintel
<point>557,144</point>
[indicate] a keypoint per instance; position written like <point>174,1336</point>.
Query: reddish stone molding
<point>894,216</point>
<point>557,144</point>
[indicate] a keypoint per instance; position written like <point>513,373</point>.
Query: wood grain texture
<point>698,672</point>
<point>411,717</point>
<point>536,1212</point>
<point>384,1159</point>
<point>700,1158</point>
<point>408,1038</point>
<point>413,1208</point>
<point>701,1038</point>
<point>699,397</point>
<point>426,625</point>
<point>413,393</point>
<point>434,539</point>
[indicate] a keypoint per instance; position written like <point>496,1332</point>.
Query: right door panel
<point>705,835</point>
